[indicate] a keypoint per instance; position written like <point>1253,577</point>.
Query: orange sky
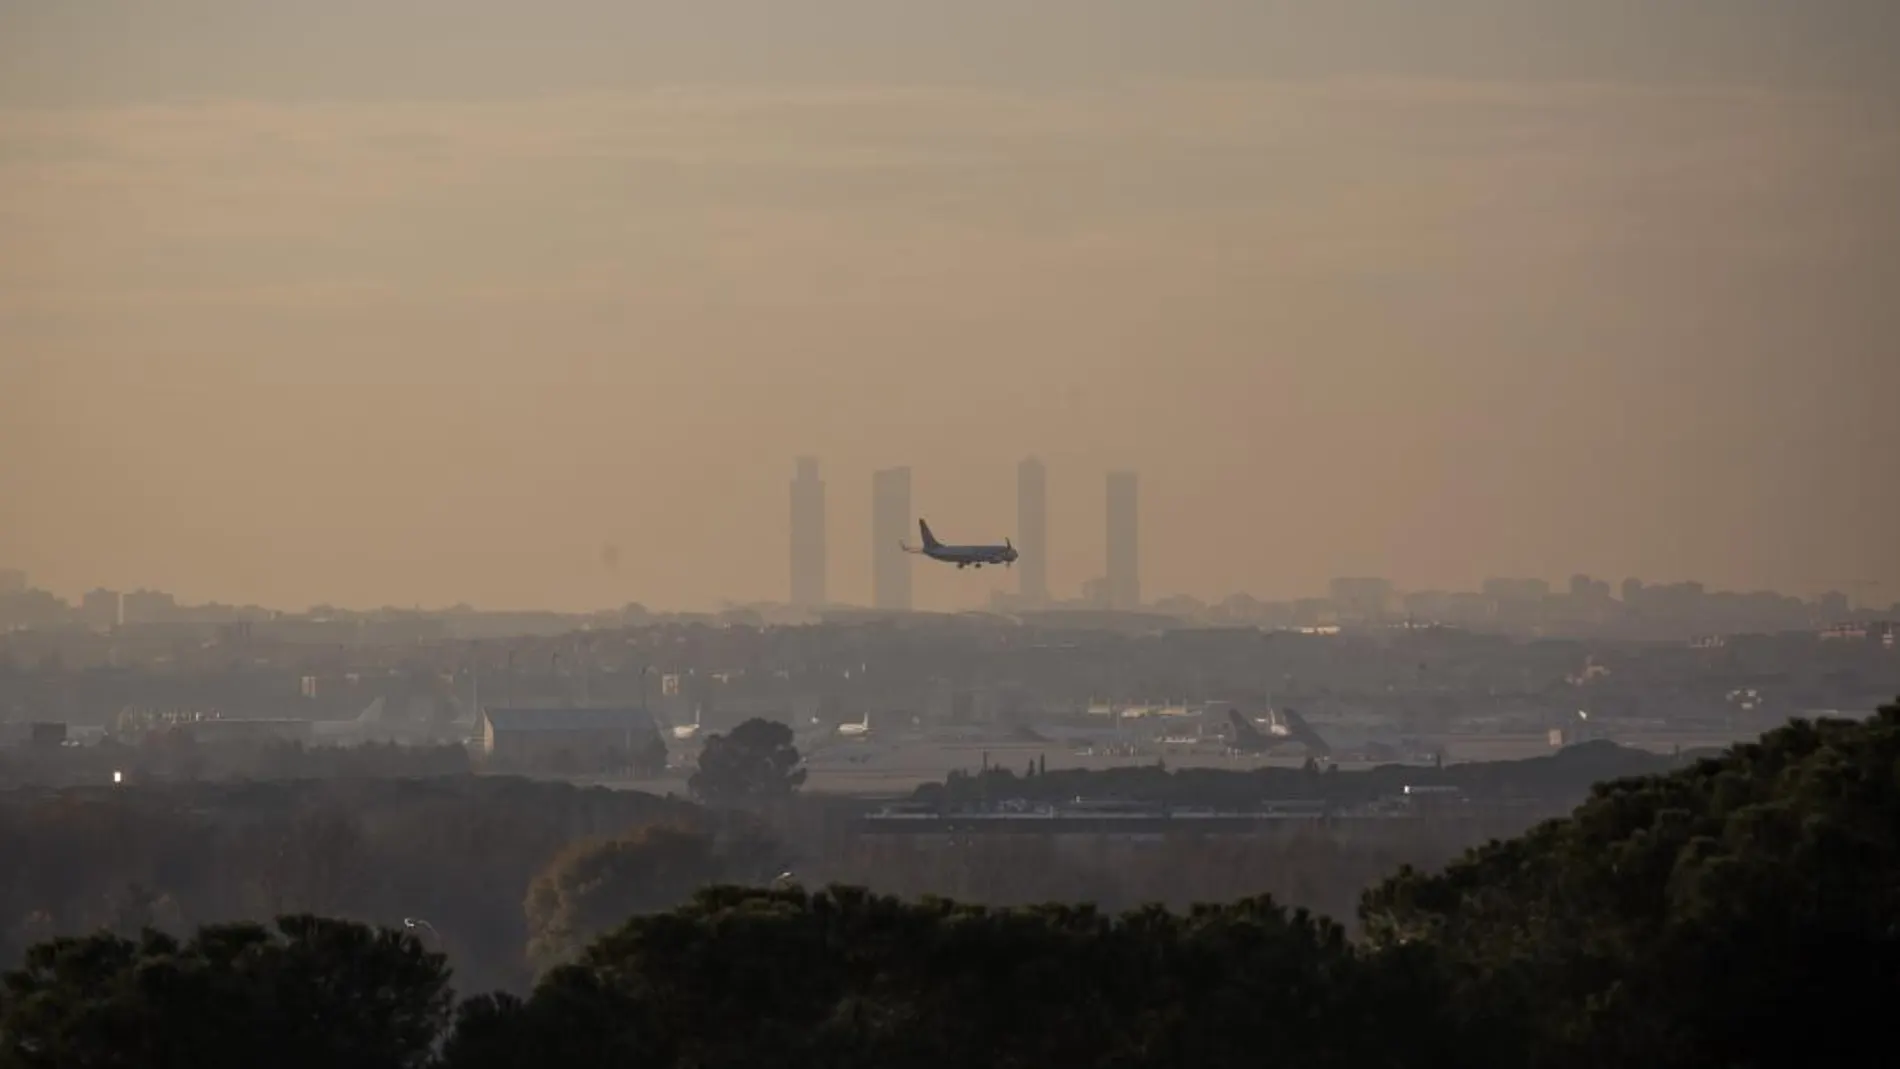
<point>393,307</point>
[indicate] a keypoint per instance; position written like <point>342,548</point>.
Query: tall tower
<point>1124,547</point>
<point>808,535</point>
<point>890,526</point>
<point>1032,530</point>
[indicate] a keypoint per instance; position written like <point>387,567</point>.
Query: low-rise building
<point>567,739</point>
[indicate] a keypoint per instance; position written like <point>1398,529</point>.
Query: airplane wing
<point>1299,729</point>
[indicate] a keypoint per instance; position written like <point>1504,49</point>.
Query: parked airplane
<point>816,737</point>
<point>688,732</point>
<point>1282,727</point>
<point>962,556</point>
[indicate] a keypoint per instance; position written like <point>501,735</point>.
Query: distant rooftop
<point>569,719</point>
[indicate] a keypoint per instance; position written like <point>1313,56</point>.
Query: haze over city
<point>427,303</point>
<point>938,535</point>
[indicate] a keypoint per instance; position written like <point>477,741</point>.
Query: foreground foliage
<point>1741,912</point>
<point>313,993</point>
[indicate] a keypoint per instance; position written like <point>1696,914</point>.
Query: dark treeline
<point>177,757</point>
<point>1321,869</point>
<point>1562,777</point>
<point>458,851</point>
<point>1741,911</point>
<point>516,874</point>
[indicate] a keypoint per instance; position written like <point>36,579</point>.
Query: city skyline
<point>892,512</point>
<point>1509,605</point>
<point>1115,583</point>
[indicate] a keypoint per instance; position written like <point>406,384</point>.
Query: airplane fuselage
<point>971,556</point>
<point>963,556</point>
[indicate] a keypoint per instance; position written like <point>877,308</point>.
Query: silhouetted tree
<point>1686,919</point>
<point>316,993</point>
<point>597,884</point>
<point>649,758</point>
<point>756,762</point>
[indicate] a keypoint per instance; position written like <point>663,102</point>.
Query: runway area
<point>895,770</point>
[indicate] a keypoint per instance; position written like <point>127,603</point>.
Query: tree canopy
<point>1743,911</point>
<point>755,762</point>
<point>847,978</point>
<point>595,884</point>
<point>314,992</point>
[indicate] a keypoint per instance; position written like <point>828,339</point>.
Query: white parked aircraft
<point>686,732</point>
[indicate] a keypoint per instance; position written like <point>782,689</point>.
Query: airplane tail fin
<point>930,540</point>
<point>1244,731</point>
<point>1297,727</point>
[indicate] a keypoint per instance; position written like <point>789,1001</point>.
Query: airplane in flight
<point>1283,727</point>
<point>961,556</point>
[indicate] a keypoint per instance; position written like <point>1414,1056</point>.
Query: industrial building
<point>581,738</point>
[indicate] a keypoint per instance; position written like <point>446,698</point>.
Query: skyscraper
<point>1124,549</point>
<point>1032,531</point>
<point>890,526</point>
<point>808,535</point>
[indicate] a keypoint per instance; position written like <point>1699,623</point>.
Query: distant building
<point>40,734</point>
<point>1517,591</point>
<point>100,609</point>
<point>148,607</point>
<point>808,536</point>
<point>1361,599</point>
<point>890,526</point>
<point>248,730</point>
<point>1124,548</point>
<point>1594,591</point>
<point>1032,531</point>
<point>585,738</point>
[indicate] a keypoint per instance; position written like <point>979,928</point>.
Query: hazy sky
<point>404,302</point>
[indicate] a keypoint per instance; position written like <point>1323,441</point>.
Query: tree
<point>596,884</point>
<point>314,993</point>
<point>845,978</point>
<point>649,758</point>
<point>1690,918</point>
<point>756,762</point>
<point>572,1021</point>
